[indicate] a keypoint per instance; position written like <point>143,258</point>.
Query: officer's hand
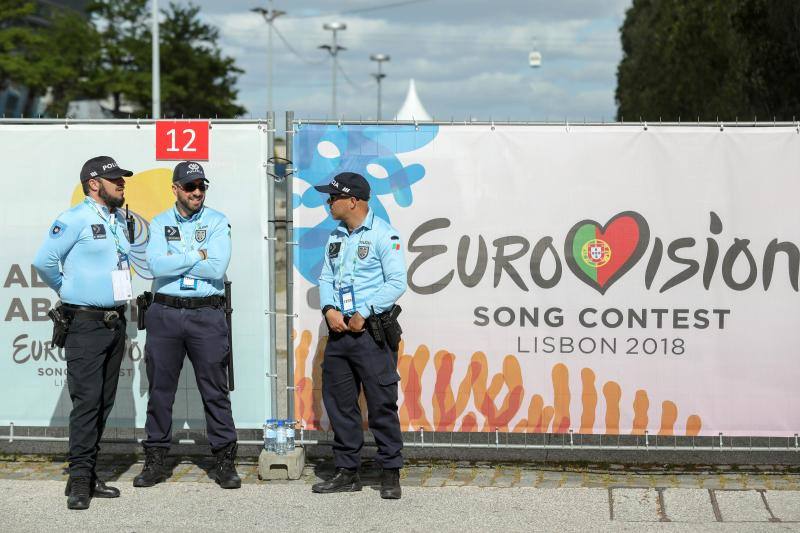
<point>335,321</point>
<point>356,322</point>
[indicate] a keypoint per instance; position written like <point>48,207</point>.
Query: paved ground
<point>445,497</point>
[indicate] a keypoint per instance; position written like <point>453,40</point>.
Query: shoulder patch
<point>98,231</point>
<point>333,249</point>
<point>394,238</point>
<point>57,229</point>
<point>172,233</point>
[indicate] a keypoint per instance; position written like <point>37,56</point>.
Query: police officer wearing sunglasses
<point>84,259</point>
<point>188,253</point>
<point>363,275</point>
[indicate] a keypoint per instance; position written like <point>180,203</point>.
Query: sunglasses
<point>191,187</point>
<point>333,197</point>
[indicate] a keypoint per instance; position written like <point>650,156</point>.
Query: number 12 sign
<point>177,140</point>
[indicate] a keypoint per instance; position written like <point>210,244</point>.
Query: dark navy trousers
<point>353,361</point>
<point>202,334</point>
<point>94,355</point>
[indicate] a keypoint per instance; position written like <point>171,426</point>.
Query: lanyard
<point>111,222</point>
<point>355,261</point>
<point>190,246</point>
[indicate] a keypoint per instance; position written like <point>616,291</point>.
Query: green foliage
<point>709,59</point>
<point>110,55</point>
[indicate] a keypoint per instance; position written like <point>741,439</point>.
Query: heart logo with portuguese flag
<point>600,255</point>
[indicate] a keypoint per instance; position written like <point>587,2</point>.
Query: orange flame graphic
<point>447,406</point>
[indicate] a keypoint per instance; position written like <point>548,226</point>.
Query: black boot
<point>79,492</point>
<point>97,489</point>
<point>225,471</point>
<point>390,484</point>
<point>101,490</point>
<point>154,470</point>
<point>343,481</point>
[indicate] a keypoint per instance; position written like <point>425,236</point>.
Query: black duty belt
<point>189,303</point>
<point>86,312</point>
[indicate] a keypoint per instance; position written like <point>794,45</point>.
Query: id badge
<point>121,282</point>
<point>122,261</point>
<point>188,284</point>
<point>347,300</point>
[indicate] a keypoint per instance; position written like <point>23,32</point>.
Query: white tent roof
<point>412,108</point>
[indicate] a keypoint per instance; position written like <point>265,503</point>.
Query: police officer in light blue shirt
<point>363,274</point>
<point>84,258</point>
<point>188,253</point>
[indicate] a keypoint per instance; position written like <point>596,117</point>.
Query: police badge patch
<point>98,231</point>
<point>363,250</point>
<point>172,233</point>
<point>57,229</point>
<point>333,249</point>
<point>200,235</point>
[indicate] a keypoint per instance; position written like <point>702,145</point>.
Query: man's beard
<point>111,202</point>
<point>187,207</point>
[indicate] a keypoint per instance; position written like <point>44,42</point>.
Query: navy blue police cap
<point>103,166</point>
<point>187,171</point>
<point>349,183</point>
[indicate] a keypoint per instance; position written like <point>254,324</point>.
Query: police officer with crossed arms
<point>85,260</point>
<point>363,275</point>
<point>188,253</point>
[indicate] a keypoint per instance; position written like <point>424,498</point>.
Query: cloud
<point>467,56</point>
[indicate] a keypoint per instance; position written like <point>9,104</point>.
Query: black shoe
<point>97,489</point>
<point>153,471</point>
<point>79,492</point>
<point>343,481</point>
<point>101,490</point>
<point>225,470</point>
<point>390,484</point>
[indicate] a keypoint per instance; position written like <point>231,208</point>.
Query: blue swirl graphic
<point>321,152</point>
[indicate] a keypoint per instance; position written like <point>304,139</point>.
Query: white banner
<point>39,169</point>
<point>607,280</point>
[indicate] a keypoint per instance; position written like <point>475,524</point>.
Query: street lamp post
<point>380,58</point>
<point>334,51</point>
<point>269,14</point>
<point>156,66</point>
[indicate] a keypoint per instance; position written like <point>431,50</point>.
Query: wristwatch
<point>327,308</point>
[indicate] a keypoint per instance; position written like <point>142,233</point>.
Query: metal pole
<point>335,53</point>
<point>156,73</point>
<point>380,58</point>
<point>289,268</point>
<point>269,67</point>
<point>380,76</point>
<point>273,329</point>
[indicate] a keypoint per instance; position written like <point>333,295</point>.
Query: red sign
<point>178,140</point>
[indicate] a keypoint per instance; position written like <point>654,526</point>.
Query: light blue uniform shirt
<point>173,252</point>
<point>371,260</point>
<point>81,249</point>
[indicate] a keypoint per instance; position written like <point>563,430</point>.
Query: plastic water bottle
<point>289,436</point>
<point>280,439</point>
<point>270,435</point>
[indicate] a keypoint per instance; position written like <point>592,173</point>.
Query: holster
<point>60,326</point>
<point>143,302</point>
<point>385,328</point>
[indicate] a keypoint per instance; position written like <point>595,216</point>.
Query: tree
<point>124,46</point>
<point>681,59</point>
<point>19,46</point>
<point>196,79</point>
<point>770,30</point>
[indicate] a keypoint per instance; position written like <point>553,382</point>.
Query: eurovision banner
<point>39,168</point>
<point>604,280</point>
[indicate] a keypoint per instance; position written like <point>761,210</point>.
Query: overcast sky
<point>469,58</point>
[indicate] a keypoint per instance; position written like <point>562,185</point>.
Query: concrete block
<point>289,466</point>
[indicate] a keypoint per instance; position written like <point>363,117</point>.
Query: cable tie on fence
<point>492,125</point>
<point>720,439</point>
<point>295,315</point>
<point>796,443</point>
<point>138,126</point>
<point>571,442</point>
<point>721,126</point>
<point>267,238</point>
<point>292,243</point>
<point>646,439</point>
<point>496,438</point>
<point>289,388</point>
<point>644,125</point>
<point>339,124</point>
<point>421,436</point>
<point>11,432</point>
<point>66,122</point>
<point>271,375</point>
<point>268,312</point>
